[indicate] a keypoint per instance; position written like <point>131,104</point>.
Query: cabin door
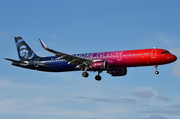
<point>153,53</point>
<point>119,56</point>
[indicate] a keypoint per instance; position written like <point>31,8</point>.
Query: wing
<point>79,61</point>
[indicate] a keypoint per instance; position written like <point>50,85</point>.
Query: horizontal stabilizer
<point>23,62</point>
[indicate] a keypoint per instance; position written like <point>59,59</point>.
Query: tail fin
<point>24,51</point>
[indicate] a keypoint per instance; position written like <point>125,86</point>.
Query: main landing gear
<point>156,72</point>
<point>97,77</point>
<point>85,74</point>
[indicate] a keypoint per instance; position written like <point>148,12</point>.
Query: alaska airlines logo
<point>24,51</point>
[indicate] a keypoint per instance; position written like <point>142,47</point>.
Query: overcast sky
<point>83,26</point>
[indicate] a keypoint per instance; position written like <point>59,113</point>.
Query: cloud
<point>165,39</point>
<point>176,68</point>
<point>124,101</point>
<point>129,101</point>
<point>164,112</point>
<point>176,106</point>
<point>2,34</point>
<point>163,98</point>
<point>95,118</point>
<point>144,94</point>
<point>151,117</point>
<point>77,100</point>
<point>161,40</point>
<point>54,36</point>
<point>157,117</point>
<point>175,51</point>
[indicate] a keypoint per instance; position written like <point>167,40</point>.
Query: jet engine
<point>118,72</point>
<point>99,65</point>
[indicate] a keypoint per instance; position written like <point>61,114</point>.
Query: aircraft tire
<point>85,74</point>
<point>98,78</point>
<point>157,72</point>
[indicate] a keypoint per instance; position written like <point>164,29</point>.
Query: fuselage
<point>116,59</point>
<point>114,62</point>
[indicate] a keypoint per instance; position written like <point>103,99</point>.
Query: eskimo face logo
<point>23,51</point>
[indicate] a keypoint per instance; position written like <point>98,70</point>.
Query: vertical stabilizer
<point>24,51</point>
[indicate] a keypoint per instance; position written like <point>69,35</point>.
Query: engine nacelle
<point>99,65</point>
<point>112,64</point>
<point>118,72</point>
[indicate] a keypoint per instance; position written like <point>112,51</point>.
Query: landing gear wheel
<point>85,74</point>
<point>157,72</point>
<point>98,78</point>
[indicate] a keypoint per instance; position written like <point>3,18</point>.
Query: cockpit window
<point>166,52</point>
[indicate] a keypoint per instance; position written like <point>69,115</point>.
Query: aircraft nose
<point>173,58</point>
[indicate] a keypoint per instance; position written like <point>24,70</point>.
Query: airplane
<point>114,62</point>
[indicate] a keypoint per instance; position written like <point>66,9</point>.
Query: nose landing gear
<point>156,72</point>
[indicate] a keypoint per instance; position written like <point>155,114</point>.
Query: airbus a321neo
<point>114,62</point>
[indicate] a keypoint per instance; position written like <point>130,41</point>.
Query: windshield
<point>166,52</point>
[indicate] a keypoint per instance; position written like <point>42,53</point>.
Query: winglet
<point>43,45</point>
